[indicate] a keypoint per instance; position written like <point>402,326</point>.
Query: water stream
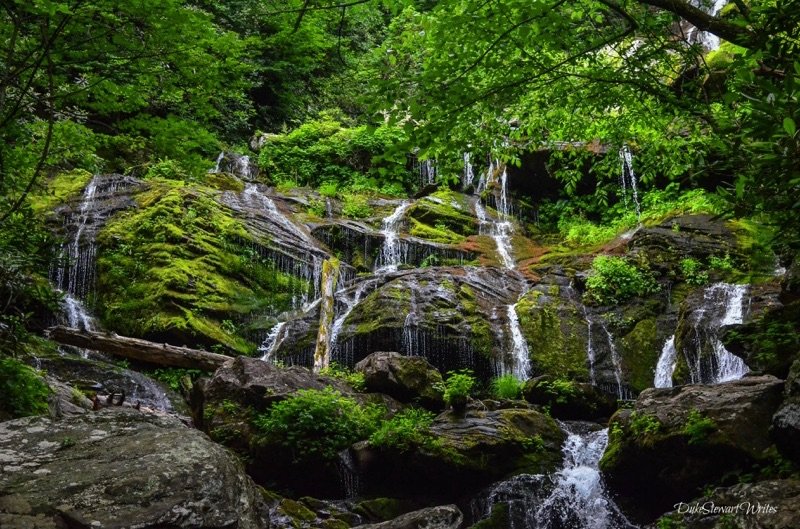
<point>391,254</point>
<point>520,353</point>
<point>666,364</point>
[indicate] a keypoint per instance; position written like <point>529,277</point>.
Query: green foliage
<point>172,376</point>
<point>22,391</point>
<point>693,272</point>
<point>407,430</point>
<point>356,207</point>
<point>561,390</point>
<point>644,424</point>
<point>721,264</point>
<point>316,425</point>
<point>316,208</point>
<point>327,154</point>
<point>457,387</point>
<point>506,387</point>
<point>167,169</point>
<point>698,428</point>
<point>613,280</point>
<point>354,379</point>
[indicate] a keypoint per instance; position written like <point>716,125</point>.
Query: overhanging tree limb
<point>705,22</point>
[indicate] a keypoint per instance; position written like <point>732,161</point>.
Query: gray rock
<point>120,468</point>
<point>443,517</point>
<point>773,504</point>
<point>786,421</point>
<point>677,440</point>
<point>406,378</point>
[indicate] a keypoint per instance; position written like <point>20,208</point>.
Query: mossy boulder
<point>675,441</point>
<point>406,378</point>
<point>568,400</point>
<point>470,451</point>
<point>556,332</point>
<point>443,517</point>
<point>443,217</point>
<point>786,422</point>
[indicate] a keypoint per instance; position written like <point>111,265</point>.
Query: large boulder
<point>676,440</point>
<point>469,452</point>
<point>120,468</point>
<point>406,378</point>
<point>443,517</point>
<point>772,504</point>
<point>786,422</point>
<point>569,400</point>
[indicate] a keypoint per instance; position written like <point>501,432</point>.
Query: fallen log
<point>137,349</point>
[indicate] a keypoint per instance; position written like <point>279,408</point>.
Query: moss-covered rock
<point>406,378</point>
<point>640,349</point>
<point>469,452</point>
<point>675,441</point>
<point>556,331</point>
<point>568,400</point>
<point>443,217</point>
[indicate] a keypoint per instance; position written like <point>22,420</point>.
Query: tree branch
<point>705,22</point>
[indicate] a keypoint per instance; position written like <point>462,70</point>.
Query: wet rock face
<point>120,468</point>
<point>772,504</point>
<point>699,236</point>
<point>573,401</point>
<point>676,440</point>
<point>472,450</point>
<point>786,422</point>
<point>406,378</point>
<point>444,517</point>
<point>453,317</point>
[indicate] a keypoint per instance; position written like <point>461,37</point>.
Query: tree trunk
<point>138,349</point>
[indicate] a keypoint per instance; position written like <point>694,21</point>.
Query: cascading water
<point>617,363</point>
<point>427,173</point>
<point>708,360</point>
<point>391,255</point>
<point>666,364</point>
<point>271,342</point>
<point>469,173</point>
<point>629,176</point>
<point>500,231</point>
<point>573,498</point>
<point>590,354</point>
<point>350,303</point>
<point>521,355</point>
<point>708,40</point>
<point>76,314</point>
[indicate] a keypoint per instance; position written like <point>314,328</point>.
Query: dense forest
<point>400,264</point>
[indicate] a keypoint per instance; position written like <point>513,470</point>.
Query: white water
<point>500,230</point>
<point>77,316</point>
<point>271,342</point>
<point>666,364</point>
<point>590,354</point>
<point>579,499</point>
<point>708,40</point>
<point>254,197</point>
<point>469,173</point>
<point>629,176</point>
<point>729,366</point>
<point>427,172</point>
<point>350,304</point>
<point>521,355</point>
<point>615,361</point>
<point>218,163</point>
<point>391,256</point>
<point>486,178</point>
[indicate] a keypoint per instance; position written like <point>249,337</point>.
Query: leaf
<point>789,126</point>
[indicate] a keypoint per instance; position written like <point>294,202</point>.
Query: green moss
<point>23,391</point>
<point>381,509</point>
<point>439,233</point>
<point>58,190</point>
<point>297,511</point>
<point>554,331</point>
<point>181,264</point>
<point>443,217</point>
<point>640,350</point>
<point>755,242</point>
<point>498,519</point>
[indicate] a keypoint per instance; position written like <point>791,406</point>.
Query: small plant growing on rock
<point>698,428</point>
<point>356,207</point>
<point>506,387</point>
<point>352,378</point>
<point>693,272</point>
<point>408,429</point>
<point>457,388</point>
<point>317,424</point>
<point>644,424</point>
<point>613,280</point>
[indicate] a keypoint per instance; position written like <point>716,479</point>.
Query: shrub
<point>644,424</point>
<point>317,424</point>
<point>167,169</point>
<point>328,189</point>
<point>613,280</point>
<point>561,389</point>
<point>698,428</point>
<point>172,376</point>
<point>356,207</point>
<point>316,208</point>
<point>506,387</point>
<point>354,379</point>
<point>22,391</point>
<point>721,264</point>
<point>693,272</point>
<point>408,429</point>
<point>457,387</point>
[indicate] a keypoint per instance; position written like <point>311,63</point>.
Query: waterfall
<point>218,164</point>
<point>708,40</point>
<point>350,303</point>
<point>590,354</point>
<point>391,255</point>
<point>521,355</point>
<point>77,316</point>
<point>500,231</point>
<point>486,178</point>
<point>348,474</point>
<point>666,364</point>
<point>235,164</point>
<point>330,276</point>
<point>271,342</point>
<point>709,362</point>
<point>617,363</point>
<point>427,173</point>
<point>579,499</point>
<point>469,174</point>
<point>626,159</point>
<point>574,497</point>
